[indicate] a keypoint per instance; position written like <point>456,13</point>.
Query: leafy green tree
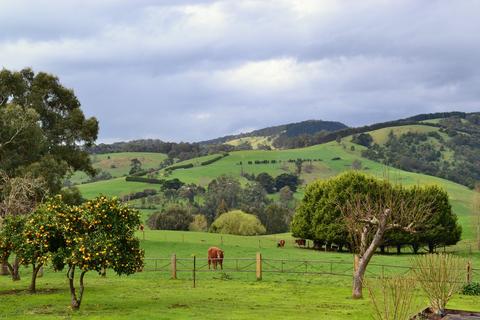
<point>275,218</point>
<point>253,198</point>
<point>287,179</point>
<point>41,239</point>
<point>174,217</point>
<point>239,223</point>
<point>135,166</point>
<point>199,223</point>
<point>286,196</point>
<point>11,228</point>
<point>266,181</point>
<point>99,235</point>
<point>43,129</point>
<point>224,188</point>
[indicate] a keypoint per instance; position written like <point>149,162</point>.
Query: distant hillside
<point>308,127</point>
<point>446,147</point>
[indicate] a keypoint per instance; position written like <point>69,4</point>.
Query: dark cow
<point>301,242</point>
<point>215,255</point>
<point>281,244</point>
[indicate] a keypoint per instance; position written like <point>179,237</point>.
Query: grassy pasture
<point>118,164</point>
<point>380,136</point>
<point>254,141</point>
<point>235,295</point>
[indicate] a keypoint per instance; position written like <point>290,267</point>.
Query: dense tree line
<point>424,152</point>
<point>320,219</point>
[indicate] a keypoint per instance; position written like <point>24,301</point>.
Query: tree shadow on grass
<point>26,291</point>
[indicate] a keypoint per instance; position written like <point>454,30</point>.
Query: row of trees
<point>365,213</point>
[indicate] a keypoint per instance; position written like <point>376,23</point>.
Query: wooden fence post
<point>469,272</point>
<point>194,269</point>
<point>259,266</point>
<point>174,266</point>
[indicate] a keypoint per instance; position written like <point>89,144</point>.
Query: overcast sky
<point>193,70</point>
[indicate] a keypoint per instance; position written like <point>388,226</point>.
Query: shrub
<point>440,276</point>
<point>239,223</point>
<point>180,166</point>
<point>471,289</point>
<point>199,223</point>
<point>143,179</point>
<point>174,218</point>
<point>207,162</point>
<point>393,298</point>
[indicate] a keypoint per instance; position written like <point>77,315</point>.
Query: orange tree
<point>42,239</point>
<point>99,234</point>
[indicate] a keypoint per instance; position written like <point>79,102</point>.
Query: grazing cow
<point>281,244</point>
<point>215,255</point>
<point>301,242</point>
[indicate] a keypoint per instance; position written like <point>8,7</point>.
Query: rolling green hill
<point>118,164</point>
<point>461,196</point>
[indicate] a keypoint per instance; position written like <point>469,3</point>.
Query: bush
<point>207,162</point>
<point>275,218</point>
<point>143,179</point>
<point>174,218</point>
<point>180,166</point>
<point>471,289</point>
<point>239,223</point>
<point>199,223</point>
<point>440,276</point>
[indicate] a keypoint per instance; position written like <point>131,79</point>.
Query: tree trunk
<point>4,271</point>
<point>431,248</point>
<point>15,270</point>
<point>415,247</point>
<point>399,248</point>
<point>382,249</point>
<point>75,301</point>
<point>366,253</point>
<point>33,284</point>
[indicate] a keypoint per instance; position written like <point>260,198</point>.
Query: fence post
<point>194,269</point>
<point>259,266</point>
<point>174,266</point>
<point>259,245</point>
<point>469,271</point>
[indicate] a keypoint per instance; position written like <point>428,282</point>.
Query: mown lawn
<point>229,295</point>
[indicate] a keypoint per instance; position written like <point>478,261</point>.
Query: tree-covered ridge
<point>308,127</point>
<point>452,152</point>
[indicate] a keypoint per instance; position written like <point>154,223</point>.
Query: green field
<point>380,136</point>
<point>233,295</point>
<point>118,164</point>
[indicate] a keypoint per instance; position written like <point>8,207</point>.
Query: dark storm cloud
<point>192,70</point>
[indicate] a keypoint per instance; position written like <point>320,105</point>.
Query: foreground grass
<point>229,295</point>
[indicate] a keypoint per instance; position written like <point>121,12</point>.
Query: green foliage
<point>275,218</point>
<point>11,228</point>
<point>239,223</point>
<point>287,179</point>
<point>363,139</point>
<point>266,181</point>
<point>48,141</point>
<point>471,289</point>
<point>199,223</point>
<point>135,166</point>
<point>173,218</point>
<point>319,218</point>
<point>71,196</point>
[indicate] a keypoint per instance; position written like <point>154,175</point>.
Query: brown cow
<point>215,255</point>
<point>300,242</point>
<point>281,244</point>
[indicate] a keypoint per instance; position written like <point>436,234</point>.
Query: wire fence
<point>262,266</point>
